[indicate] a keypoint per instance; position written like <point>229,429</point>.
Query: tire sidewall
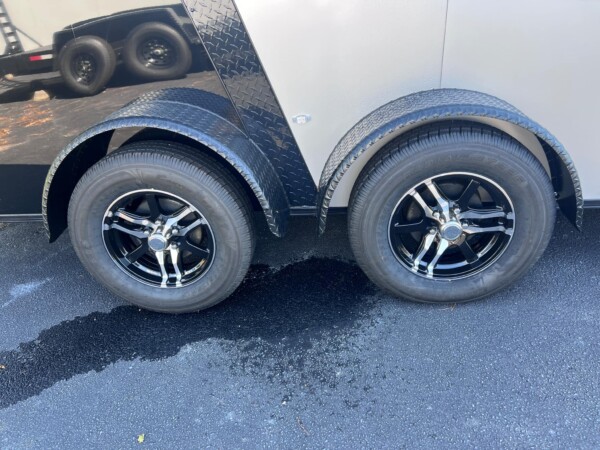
<point>92,203</point>
<point>528,241</point>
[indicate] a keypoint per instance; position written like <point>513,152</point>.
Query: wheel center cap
<point>158,242</point>
<point>451,231</point>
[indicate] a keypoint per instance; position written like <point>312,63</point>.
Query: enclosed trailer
<point>450,131</point>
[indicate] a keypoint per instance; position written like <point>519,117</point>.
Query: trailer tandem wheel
<point>163,229</point>
<point>87,64</point>
<point>156,51</point>
<point>450,213</point>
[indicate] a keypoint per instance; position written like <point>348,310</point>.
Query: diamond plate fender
<point>198,115</point>
<point>442,104</point>
<point>236,61</point>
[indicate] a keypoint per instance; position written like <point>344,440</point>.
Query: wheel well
<point>148,134</point>
<point>523,136</point>
<point>435,105</point>
<point>84,156</point>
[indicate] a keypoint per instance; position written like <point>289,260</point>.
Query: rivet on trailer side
<point>165,125</point>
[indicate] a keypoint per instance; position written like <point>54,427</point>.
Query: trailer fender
<point>392,119</point>
<point>197,115</point>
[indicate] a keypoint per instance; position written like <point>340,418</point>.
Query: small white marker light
<point>301,119</point>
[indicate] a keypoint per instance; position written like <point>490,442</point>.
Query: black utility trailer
<point>153,43</point>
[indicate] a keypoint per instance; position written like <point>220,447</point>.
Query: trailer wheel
<point>156,51</point>
<point>87,64</point>
<point>450,215</point>
<point>162,229</point>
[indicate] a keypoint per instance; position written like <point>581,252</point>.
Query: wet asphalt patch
<point>312,356</point>
<point>278,317</point>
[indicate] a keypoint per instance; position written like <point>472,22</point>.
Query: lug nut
<point>432,231</point>
<point>456,210</point>
<point>436,214</point>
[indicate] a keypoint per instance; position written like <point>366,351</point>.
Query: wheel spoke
<point>136,233</point>
<point>160,257</point>
<point>497,229</point>
<point>482,214</point>
<point>131,218</point>
<point>468,252</point>
<point>470,190</point>
<point>426,209</point>
<point>441,201</point>
<point>136,254</point>
<point>176,261</point>
<point>153,206</point>
<point>175,218</point>
<point>443,245</point>
<point>191,226</point>
<point>410,227</point>
<point>194,250</point>
<point>423,249</point>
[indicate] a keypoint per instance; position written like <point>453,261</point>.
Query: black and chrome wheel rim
<point>158,238</point>
<point>157,53</point>
<point>84,68</point>
<point>451,226</point>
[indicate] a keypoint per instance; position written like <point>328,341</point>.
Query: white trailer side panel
<point>339,60</point>
<point>539,55</point>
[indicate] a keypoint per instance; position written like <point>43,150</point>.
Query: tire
<point>481,251</point>
<point>218,232</point>
<point>87,64</point>
<point>155,51</point>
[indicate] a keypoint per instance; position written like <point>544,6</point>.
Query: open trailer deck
<point>450,131</point>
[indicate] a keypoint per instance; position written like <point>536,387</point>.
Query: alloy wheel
<point>451,226</point>
<point>158,238</point>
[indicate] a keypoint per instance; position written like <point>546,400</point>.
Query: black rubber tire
<point>105,60</point>
<point>142,33</point>
<point>174,168</point>
<point>427,152</point>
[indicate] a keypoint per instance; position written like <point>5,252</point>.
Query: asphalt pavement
<point>306,354</point>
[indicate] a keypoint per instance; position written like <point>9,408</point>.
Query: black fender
<point>391,119</point>
<point>197,115</point>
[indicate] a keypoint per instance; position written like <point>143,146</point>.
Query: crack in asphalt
<point>291,320</point>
